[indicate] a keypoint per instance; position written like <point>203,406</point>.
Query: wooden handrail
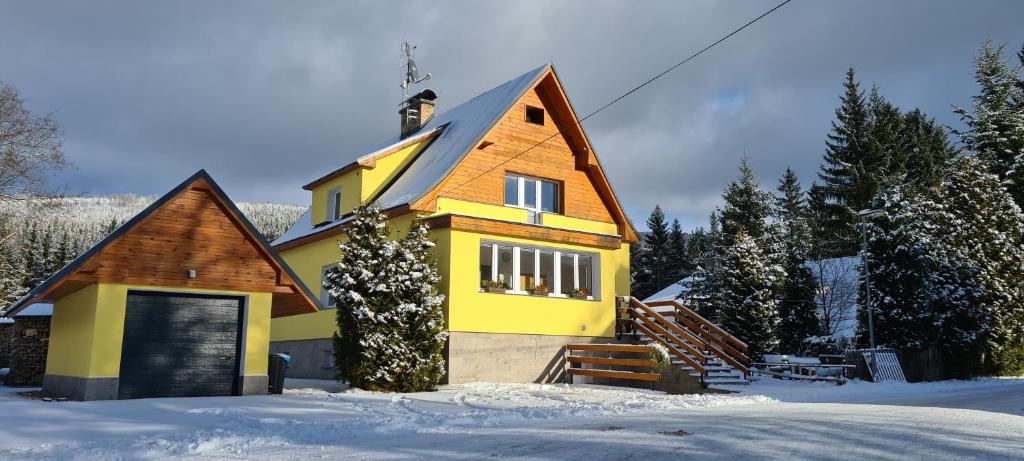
<point>643,327</point>
<point>686,311</point>
<point>710,341</point>
<point>679,331</point>
<point>718,341</point>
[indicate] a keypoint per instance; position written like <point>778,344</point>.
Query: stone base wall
<point>30,341</point>
<point>311,358</point>
<point>255,384</point>
<point>76,388</point>
<point>509,358</point>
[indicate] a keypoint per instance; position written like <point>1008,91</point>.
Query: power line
<point>631,91</point>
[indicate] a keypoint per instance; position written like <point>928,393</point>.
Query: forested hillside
<point>38,237</point>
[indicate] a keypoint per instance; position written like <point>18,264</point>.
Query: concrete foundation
<point>509,358</point>
<point>311,358</point>
<point>76,388</point>
<point>255,384</point>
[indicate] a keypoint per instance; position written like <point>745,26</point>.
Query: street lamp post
<point>865,215</point>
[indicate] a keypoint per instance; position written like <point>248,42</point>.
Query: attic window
<point>534,115</point>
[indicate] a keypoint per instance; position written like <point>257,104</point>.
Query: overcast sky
<point>269,95</point>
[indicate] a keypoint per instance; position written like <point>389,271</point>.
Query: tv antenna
<point>412,74</point>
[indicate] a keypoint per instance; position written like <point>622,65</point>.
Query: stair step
<point>731,382</point>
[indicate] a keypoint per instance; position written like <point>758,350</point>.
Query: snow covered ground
<point>769,419</point>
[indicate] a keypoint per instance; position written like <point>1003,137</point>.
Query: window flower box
<point>582,293</point>
<point>491,286</point>
<point>540,290</point>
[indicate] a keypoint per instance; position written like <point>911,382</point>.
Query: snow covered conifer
<point>655,270</point>
<point>798,311</point>
<point>390,329</point>
<point>988,232</point>
<point>746,208</point>
<point>995,127</point>
<point>748,280</point>
<point>12,285</point>
<point>420,315</point>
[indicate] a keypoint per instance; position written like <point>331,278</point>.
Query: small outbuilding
<point>176,302</point>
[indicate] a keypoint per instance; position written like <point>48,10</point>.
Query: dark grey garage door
<point>180,345</point>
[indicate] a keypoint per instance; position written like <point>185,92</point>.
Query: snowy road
<point>768,420</point>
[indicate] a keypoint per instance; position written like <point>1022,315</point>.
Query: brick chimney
<point>417,111</point>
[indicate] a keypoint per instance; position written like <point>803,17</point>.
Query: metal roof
<point>463,127</point>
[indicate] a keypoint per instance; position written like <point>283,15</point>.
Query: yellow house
<point>532,243</point>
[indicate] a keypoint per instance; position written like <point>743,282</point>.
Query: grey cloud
<point>267,95</point>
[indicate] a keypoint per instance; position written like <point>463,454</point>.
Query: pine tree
<point>928,151</point>
<point>905,261</point>
<point>846,147</point>
<point>887,154</point>
<point>421,318</point>
<point>821,244</point>
<point>680,265</point>
<point>701,292</point>
<point>34,259</point>
<point>12,284</point>
<point>749,305</point>
<point>746,208</point>
<point>995,128</point>
<point>381,285</point>
<point>655,271</point>
<point>63,253</point>
<point>987,230</point>
<point>798,312</point>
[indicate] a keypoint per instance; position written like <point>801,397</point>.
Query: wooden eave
<point>370,161</point>
<point>290,296</point>
<point>335,230</point>
<point>522,230</point>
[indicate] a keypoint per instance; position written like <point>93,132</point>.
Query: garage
<point>176,302</point>
<point>180,345</point>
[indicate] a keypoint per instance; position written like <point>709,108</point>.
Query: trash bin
<point>276,368</point>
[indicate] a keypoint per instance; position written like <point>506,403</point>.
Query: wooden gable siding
<point>191,231</point>
<point>553,160</point>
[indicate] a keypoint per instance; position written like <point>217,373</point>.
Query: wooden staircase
<point>696,345</point>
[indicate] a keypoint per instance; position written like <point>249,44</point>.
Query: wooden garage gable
<point>195,227</point>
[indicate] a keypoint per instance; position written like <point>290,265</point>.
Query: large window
<point>538,271</point>
<point>533,194</point>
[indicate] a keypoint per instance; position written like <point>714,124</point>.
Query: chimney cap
<point>426,95</point>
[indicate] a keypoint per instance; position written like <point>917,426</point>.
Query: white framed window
<point>325,296</point>
<point>520,269</point>
<point>537,195</point>
<point>334,204</point>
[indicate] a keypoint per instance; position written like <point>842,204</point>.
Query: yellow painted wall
<point>87,330</point>
<point>466,309</point>
<point>362,184</point>
<point>374,179</point>
<point>71,328</point>
<point>306,261</point>
<point>350,185</point>
<point>473,311</point>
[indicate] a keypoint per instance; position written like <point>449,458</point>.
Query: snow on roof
<point>33,310</point>
<point>464,126</point>
<point>672,291</point>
